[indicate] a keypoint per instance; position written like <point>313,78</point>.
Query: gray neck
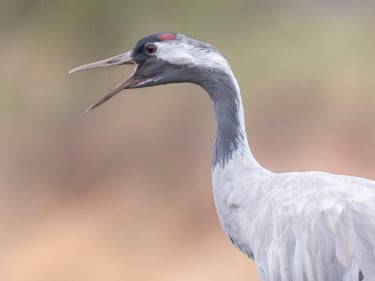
<point>231,136</point>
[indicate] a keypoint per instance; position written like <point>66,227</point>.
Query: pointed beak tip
<point>73,70</point>
<point>79,68</point>
<point>89,109</point>
<point>124,58</point>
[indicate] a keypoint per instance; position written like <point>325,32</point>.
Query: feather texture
<point>310,226</point>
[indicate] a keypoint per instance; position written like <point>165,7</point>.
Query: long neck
<point>231,136</point>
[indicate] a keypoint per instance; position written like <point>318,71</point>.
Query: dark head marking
<point>138,53</point>
<point>158,37</point>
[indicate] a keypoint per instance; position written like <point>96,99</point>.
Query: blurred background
<point>124,192</point>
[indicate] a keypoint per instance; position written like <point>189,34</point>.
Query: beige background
<point>123,192</point>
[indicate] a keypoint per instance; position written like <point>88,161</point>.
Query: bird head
<point>161,59</point>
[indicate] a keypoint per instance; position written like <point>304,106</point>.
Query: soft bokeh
<point>124,192</point>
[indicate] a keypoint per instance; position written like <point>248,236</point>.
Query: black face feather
<point>211,73</point>
<point>139,53</point>
<point>158,37</point>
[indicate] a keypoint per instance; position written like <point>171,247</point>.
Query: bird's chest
<point>232,208</point>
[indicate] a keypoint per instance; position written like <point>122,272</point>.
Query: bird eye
<point>151,49</point>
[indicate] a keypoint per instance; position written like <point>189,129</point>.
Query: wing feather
<point>323,229</point>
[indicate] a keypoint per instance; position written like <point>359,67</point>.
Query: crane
<point>296,226</point>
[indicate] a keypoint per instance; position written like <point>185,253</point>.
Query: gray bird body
<point>301,226</point>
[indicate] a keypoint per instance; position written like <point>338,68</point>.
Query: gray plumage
<point>305,226</point>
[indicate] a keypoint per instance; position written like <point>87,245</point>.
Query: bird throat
<point>230,128</point>
<point>229,131</point>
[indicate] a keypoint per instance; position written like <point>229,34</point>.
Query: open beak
<point>124,58</point>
